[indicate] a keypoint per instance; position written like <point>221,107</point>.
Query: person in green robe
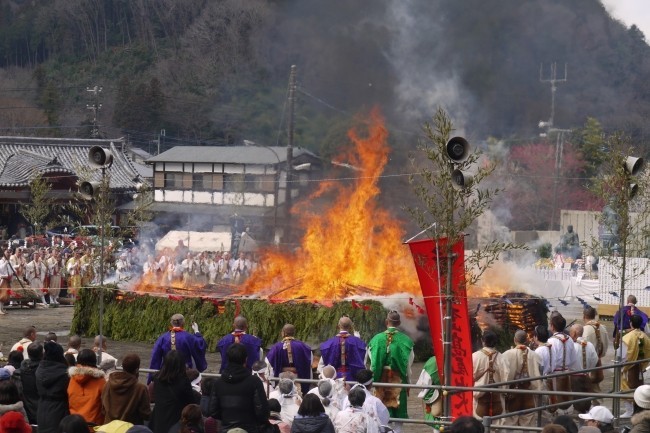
<point>391,357</point>
<point>431,398</point>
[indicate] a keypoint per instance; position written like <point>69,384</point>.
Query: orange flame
<point>354,248</point>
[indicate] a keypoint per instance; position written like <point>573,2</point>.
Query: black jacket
<point>52,385</point>
<point>169,399</point>
<point>238,400</point>
<point>312,424</point>
<point>30,392</point>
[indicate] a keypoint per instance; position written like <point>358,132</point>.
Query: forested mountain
<point>216,71</point>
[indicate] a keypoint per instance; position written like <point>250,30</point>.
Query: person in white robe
<point>516,368</point>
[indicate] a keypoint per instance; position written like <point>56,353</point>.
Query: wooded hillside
<point>216,72</point>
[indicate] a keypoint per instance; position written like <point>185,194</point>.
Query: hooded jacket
<point>238,400</point>
<point>15,407</point>
<point>312,424</point>
<point>170,399</point>
<point>641,422</point>
<point>85,393</point>
<point>30,393</point>
<point>52,385</point>
<point>125,398</point>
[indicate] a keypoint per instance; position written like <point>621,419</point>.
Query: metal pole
<point>616,404</point>
<point>448,327</point>
<point>487,422</point>
<point>446,345</point>
<point>290,129</point>
<point>102,216</point>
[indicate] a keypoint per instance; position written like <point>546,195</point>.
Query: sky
<point>631,12</point>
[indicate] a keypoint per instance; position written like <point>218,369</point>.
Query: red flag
<point>433,285</point>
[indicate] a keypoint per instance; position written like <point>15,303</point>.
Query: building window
<point>173,180</point>
<point>159,179</point>
<point>259,183</point>
<point>188,181</point>
<point>217,182</point>
<point>233,183</point>
<point>202,182</point>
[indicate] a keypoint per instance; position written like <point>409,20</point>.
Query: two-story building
<point>210,188</point>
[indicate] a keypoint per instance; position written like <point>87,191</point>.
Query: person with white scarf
<point>263,371</point>
<point>327,395</point>
<point>338,385</point>
<point>373,406</point>
<point>290,401</point>
<point>353,419</point>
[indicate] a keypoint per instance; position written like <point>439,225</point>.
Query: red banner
<point>433,282</point>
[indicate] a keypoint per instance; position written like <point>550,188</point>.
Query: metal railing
<point>500,387</point>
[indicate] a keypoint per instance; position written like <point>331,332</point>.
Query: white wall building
<point>205,187</point>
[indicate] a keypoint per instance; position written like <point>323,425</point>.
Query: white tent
<point>196,241</point>
<point>247,244</point>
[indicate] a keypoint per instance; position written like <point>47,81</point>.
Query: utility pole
<point>548,125</point>
<point>94,107</point>
<point>290,130</point>
<point>553,80</point>
<point>161,137</point>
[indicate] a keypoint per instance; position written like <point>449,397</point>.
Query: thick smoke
<point>416,55</point>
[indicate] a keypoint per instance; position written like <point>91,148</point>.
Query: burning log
<point>511,312</point>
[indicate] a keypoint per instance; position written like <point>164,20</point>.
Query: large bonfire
<point>353,248</point>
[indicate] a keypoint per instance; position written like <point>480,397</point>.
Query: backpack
<point>516,402</point>
<point>489,404</point>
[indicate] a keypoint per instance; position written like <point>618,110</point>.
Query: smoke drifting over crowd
<point>480,61</point>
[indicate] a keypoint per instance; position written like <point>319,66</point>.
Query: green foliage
<point>40,206</point>
<point>591,142</point>
<point>453,210</point>
<point>141,211</point>
<point>545,251</point>
<point>625,216</point>
<point>144,318</point>
<point>139,107</point>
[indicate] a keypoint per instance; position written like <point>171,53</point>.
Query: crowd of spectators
<point>68,389</point>
<point>43,274</point>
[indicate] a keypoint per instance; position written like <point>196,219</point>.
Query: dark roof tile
<point>24,158</point>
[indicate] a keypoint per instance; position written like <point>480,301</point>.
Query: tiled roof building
<point>62,162</point>
<point>23,158</point>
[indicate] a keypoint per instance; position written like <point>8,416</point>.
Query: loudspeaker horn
<point>633,165</point>
<point>99,157</point>
<point>461,179</point>
<point>634,188</point>
<point>457,149</point>
<point>88,190</point>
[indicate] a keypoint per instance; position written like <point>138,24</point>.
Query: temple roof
<point>24,158</point>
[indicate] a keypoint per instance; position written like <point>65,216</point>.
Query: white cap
<point>598,413</point>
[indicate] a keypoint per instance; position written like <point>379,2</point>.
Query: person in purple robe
<point>191,345</point>
<point>291,355</point>
<point>345,352</point>
<point>625,314</point>
<point>252,343</point>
